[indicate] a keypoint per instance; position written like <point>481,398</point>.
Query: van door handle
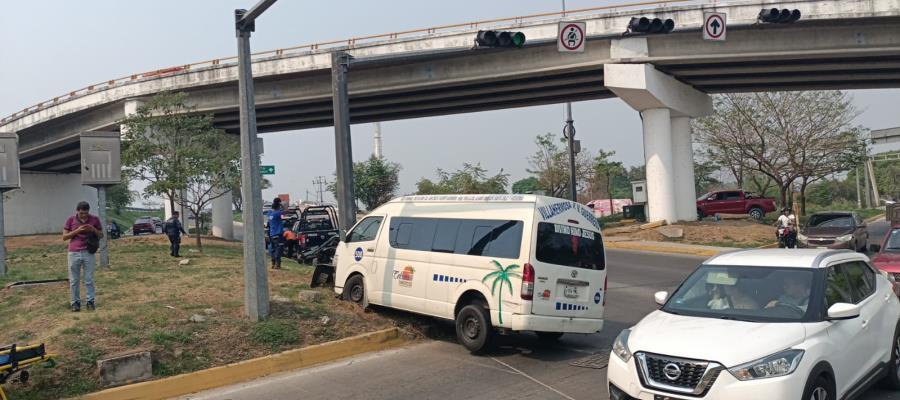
<point>370,250</point>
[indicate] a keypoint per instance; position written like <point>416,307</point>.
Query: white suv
<point>764,324</point>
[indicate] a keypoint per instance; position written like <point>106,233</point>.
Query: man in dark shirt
<point>174,229</point>
<point>78,229</point>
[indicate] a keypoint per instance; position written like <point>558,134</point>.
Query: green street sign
<point>267,169</point>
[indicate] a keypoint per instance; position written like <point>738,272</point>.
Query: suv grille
<point>820,242</point>
<point>677,375</point>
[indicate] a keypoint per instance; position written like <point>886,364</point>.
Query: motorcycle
<point>786,238</point>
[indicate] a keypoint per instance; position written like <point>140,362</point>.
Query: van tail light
<point>605,293</point>
<point>527,282</point>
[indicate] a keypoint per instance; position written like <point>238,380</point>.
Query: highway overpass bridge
<point>838,44</point>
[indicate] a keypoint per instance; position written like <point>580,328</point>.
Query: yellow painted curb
<point>633,245</point>
<point>251,369</point>
<point>875,218</point>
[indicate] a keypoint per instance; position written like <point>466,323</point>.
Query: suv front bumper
<point>624,377</point>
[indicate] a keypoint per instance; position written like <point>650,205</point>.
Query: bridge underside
<point>803,56</point>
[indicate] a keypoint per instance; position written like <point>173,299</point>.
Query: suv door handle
<point>865,324</point>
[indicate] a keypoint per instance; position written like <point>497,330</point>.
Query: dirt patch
<point>146,300</point>
<point>725,233</point>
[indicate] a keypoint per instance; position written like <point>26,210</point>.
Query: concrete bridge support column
<point>44,202</point>
<point>683,169</point>
<point>222,217</point>
<point>658,158</point>
<point>666,106</point>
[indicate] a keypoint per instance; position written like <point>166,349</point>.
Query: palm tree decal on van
<point>501,277</point>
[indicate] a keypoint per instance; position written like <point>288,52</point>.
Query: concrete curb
<point>673,249</point>
<point>251,369</point>
<point>875,218</point>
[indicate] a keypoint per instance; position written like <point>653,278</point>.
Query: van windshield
<point>569,246</point>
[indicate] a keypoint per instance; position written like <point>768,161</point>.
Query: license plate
<point>571,292</point>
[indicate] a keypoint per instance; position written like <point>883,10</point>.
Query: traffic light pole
<point>256,279</point>
<point>569,132</point>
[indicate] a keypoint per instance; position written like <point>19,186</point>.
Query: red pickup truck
<point>734,202</point>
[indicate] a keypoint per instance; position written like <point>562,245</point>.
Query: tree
<point>606,171</point>
<point>176,151</point>
<point>704,171</point>
<point>119,196</point>
<point>786,137</point>
<point>525,186</point>
<point>375,181</point>
<point>550,165</point>
<point>471,179</point>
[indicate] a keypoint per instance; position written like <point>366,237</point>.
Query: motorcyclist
<point>786,229</point>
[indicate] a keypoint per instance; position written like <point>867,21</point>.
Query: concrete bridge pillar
<point>666,106</point>
<point>44,202</point>
<point>222,217</point>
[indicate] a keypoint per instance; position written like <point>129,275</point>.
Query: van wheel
<point>473,328</point>
<point>549,337</point>
<point>355,290</point>
<point>819,389</point>
<point>892,380</point>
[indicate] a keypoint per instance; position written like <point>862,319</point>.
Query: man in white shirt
<point>788,220</point>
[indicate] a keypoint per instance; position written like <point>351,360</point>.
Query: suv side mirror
<point>661,297</point>
<point>840,311</point>
<point>874,248</point>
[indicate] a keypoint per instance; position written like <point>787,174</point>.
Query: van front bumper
<point>541,323</point>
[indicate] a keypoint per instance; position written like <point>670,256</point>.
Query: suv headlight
<point>778,364</point>
<point>620,347</point>
<point>845,238</point>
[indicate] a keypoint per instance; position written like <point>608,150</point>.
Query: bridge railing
<point>290,51</point>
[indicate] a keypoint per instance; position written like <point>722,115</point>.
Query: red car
<point>887,256</point>
<point>734,202</point>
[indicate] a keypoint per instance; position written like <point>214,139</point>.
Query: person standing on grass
<point>276,230</point>
<point>174,229</point>
<point>80,228</point>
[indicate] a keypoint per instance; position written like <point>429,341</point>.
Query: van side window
<point>365,231</point>
<point>490,238</point>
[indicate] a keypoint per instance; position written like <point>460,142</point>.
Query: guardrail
<point>169,71</point>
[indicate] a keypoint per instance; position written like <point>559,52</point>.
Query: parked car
<point>764,324</point>
<point>511,262</point>
<point>834,230</point>
<point>886,257</point>
<point>734,202</point>
<point>143,225</point>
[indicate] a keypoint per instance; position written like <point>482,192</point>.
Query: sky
<point>51,47</point>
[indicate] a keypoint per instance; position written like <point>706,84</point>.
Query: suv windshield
<point>755,294</point>
<point>569,246</point>
<point>831,221</point>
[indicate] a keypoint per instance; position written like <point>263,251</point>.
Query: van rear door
<point>570,270</point>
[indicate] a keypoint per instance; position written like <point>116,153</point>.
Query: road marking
<point>533,379</point>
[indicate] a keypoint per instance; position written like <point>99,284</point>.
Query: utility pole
<point>858,194</point>
<point>340,64</point>
<point>320,183</point>
<point>569,134</point>
<point>256,279</point>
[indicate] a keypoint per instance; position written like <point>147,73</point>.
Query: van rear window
<point>476,237</point>
<point>569,246</point>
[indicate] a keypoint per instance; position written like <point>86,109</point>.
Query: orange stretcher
<point>15,360</point>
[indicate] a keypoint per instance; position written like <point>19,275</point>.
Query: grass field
<point>146,300</point>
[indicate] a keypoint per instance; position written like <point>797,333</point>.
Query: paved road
<point>520,367</point>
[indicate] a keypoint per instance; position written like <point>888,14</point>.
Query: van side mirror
<point>874,248</point>
<point>841,311</point>
<point>661,297</point>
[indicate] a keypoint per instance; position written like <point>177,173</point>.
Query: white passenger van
<point>512,262</point>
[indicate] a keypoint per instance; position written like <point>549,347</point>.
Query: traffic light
<point>776,16</point>
<point>647,25</point>
<point>500,39</point>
